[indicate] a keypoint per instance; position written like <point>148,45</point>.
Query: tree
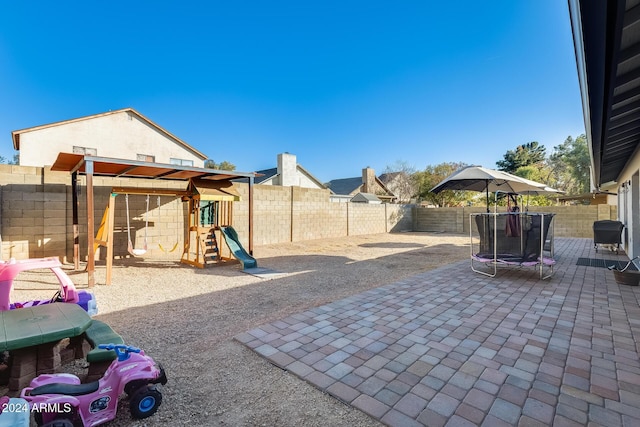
<point>224,165</point>
<point>402,181</point>
<point>432,176</point>
<point>570,165</point>
<point>15,161</point>
<point>538,173</point>
<point>527,154</point>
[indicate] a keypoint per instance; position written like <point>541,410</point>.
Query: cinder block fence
<point>36,216</point>
<point>568,221</point>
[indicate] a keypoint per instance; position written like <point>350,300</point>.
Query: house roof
<point>15,135</point>
<point>606,38</point>
<point>267,174</point>
<point>366,198</point>
<point>344,186</point>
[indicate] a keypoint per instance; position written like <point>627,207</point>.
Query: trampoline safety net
<point>514,238</point>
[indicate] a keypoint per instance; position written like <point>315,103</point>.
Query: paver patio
<point>453,347</point>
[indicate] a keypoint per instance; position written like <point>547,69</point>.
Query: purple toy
<point>63,397</point>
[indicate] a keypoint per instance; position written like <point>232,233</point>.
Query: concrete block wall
<point>271,215</point>
<point>569,221</point>
<point>448,220</point>
<point>399,218</point>
<point>36,215</point>
<point>366,219</point>
<point>314,217</point>
<point>161,227</point>
<point>293,214</point>
<point>32,213</point>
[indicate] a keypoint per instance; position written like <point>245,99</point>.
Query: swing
<point>130,248</point>
<point>159,245</point>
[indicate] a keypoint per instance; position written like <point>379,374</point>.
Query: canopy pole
<point>251,215</point>
<point>91,262</point>
<point>487,187</point>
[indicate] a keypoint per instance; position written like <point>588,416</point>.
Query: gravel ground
<point>185,318</point>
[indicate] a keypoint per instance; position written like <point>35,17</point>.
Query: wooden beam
<point>151,191</point>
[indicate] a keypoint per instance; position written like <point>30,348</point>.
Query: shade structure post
<point>251,179</point>
<point>76,227</point>
<point>110,220</point>
<point>91,263</point>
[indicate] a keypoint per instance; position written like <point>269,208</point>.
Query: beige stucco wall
<point>121,135</point>
<point>304,180</point>
<point>628,189</point>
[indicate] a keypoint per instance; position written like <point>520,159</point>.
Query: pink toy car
<point>63,399</point>
<point>67,293</point>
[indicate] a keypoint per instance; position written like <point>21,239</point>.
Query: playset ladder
<point>209,244</point>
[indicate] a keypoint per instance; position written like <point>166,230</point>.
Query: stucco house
<point>288,173</point>
<point>343,190</point>
<point>606,37</point>
<point>124,134</point>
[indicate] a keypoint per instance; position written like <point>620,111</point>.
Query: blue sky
<point>341,84</point>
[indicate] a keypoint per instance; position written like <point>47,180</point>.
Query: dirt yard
<point>186,318</point>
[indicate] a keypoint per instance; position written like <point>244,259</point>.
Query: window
<point>145,158</point>
<point>181,162</point>
<point>85,150</point>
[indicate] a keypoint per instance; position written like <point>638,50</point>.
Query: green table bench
<point>99,359</point>
<point>32,335</point>
<point>31,326</point>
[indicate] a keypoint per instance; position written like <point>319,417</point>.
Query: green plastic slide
<point>231,237</point>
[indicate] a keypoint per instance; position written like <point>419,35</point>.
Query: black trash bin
<point>607,232</point>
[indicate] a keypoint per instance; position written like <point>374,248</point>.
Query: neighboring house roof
<point>15,135</point>
<point>267,175</point>
<point>607,42</point>
<point>352,186</point>
<point>366,198</point>
<point>345,186</point>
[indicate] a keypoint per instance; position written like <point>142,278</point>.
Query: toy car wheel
<point>145,402</point>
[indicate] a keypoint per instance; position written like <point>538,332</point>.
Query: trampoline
<point>520,239</point>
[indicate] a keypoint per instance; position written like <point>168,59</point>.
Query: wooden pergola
<point>92,166</point>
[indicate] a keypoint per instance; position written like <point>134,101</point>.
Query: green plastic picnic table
<point>31,326</point>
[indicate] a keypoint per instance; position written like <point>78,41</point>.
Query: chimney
<point>368,180</point>
<point>287,169</point>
